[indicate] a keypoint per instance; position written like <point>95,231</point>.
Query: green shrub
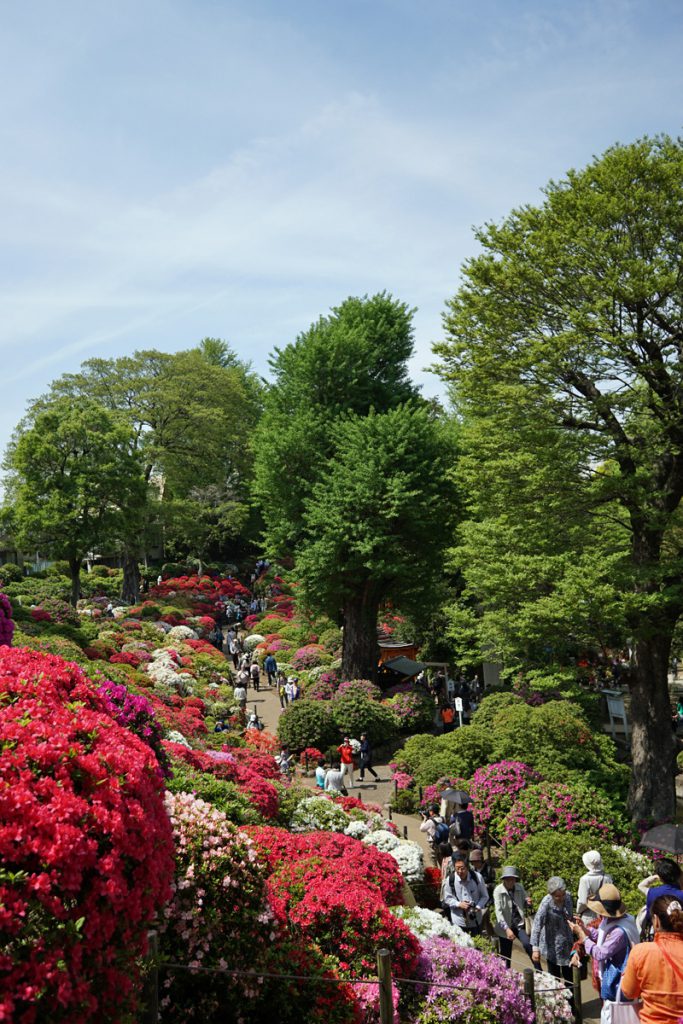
<point>550,853</point>
<point>10,573</point>
<point>557,741</point>
<point>306,723</point>
<point>355,712</point>
<point>492,704</point>
<point>405,801</point>
<point>459,753</point>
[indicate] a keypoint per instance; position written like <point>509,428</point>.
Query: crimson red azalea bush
<point>85,847</point>
<point>351,922</point>
<point>313,849</point>
<point>174,712</point>
<point>246,768</point>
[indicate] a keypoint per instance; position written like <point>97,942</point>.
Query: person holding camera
<point>465,896</point>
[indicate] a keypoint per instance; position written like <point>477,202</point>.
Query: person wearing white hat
<point>510,904</point>
<point>590,883</point>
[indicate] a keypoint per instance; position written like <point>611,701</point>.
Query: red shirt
<point>346,753</point>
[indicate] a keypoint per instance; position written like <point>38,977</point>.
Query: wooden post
<point>529,991</point>
<point>405,831</point>
<point>419,791</point>
<point>306,763</point>
<point>386,1002</point>
<point>390,812</point>
<point>395,788</point>
<point>576,990</point>
<point>150,995</point>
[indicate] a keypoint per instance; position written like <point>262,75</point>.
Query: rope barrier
<point>333,981</point>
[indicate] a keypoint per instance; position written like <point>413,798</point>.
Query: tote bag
<point>614,1011</point>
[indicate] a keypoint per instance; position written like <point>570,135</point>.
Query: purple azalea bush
<point>6,621</point>
<point>137,714</point>
<point>481,982</point>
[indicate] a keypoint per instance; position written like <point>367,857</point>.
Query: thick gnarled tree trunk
<point>360,650</point>
<point>652,794</point>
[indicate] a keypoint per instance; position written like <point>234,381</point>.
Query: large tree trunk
<point>75,570</point>
<point>652,794</point>
<point>359,650</point>
<point>131,578</point>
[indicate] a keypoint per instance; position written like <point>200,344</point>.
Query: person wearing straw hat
<point>510,904</point>
<point>589,884</point>
<point>610,943</point>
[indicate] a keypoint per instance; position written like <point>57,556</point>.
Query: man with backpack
<point>465,896</point>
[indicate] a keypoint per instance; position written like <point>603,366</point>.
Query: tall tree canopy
<point>564,352</point>
<point>73,481</point>
<point>349,468</point>
<point>191,414</point>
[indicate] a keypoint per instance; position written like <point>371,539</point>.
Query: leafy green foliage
<point>563,353</point>
<point>73,481</point>
<point>307,723</point>
<point>354,712</point>
<point>429,758</point>
<point>551,852</point>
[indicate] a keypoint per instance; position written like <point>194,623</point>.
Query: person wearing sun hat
<point>589,884</point>
<point>610,943</point>
<point>510,904</point>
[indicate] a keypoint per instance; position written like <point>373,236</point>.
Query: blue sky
<point>216,167</point>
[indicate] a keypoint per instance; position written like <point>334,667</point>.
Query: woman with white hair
<point>590,884</point>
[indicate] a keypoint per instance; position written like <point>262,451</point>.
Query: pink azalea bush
<point>558,806</point>
<point>219,915</point>
<point>494,789</point>
<point>6,621</point>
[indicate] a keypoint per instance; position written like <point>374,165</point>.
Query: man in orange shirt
<point>346,755</point>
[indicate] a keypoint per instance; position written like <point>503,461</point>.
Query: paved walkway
<point>267,704</point>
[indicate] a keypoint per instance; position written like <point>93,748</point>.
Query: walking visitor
<point>654,972</point>
<point>510,904</point>
<point>551,935</point>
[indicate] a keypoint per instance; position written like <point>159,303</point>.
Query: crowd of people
<point>638,963</point>
<point>630,960</point>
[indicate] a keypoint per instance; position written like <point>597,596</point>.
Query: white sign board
<point>458,703</point>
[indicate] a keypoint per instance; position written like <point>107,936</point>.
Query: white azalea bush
<point>408,855</point>
<point>357,830</point>
<point>383,840</point>
<point>253,641</point>
<point>425,924</point>
<point>318,814</point>
<point>182,633</point>
<point>410,859</point>
<point>552,999</point>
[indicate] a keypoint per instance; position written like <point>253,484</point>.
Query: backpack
<point>594,893</point>
<point>441,833</point>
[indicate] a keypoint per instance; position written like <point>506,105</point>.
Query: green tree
<point>73,481</point>
<point>563,350</point>
<point>191,415</point>
<point>350,469</point>
<point>352,361</point>
<point>376,524</point>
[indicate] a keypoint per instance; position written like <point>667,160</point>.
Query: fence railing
<point>384,980</point>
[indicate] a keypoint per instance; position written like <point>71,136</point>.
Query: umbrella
<point>664,837</point>
<point>455,796</point>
